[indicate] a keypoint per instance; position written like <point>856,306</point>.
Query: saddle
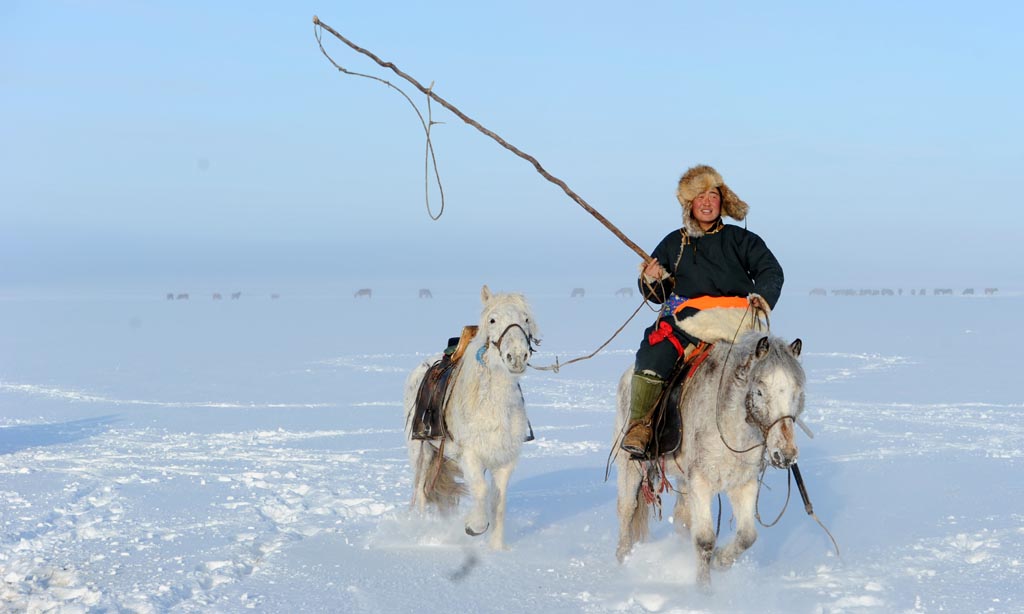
<point>428,414</point>
<point>666,419</point>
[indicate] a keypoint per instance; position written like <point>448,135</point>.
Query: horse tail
<point>639,526</point>
<point>440,478</point>
<point>632,508</point>
<point>435,476</point>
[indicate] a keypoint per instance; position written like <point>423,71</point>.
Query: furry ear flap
<point>732,205</point>
<point>762,348</point>
<point>485,294</point>
<point>796,347</point>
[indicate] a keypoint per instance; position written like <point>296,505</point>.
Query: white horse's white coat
<point>486,418</point>
<point>762,388</point>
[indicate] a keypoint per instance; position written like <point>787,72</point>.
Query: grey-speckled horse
<point>745,396</point>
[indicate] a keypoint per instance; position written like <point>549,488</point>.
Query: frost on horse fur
<point>738,413</point>
<point>485,416</point>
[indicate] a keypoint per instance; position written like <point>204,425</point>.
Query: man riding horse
<point>703,267</point>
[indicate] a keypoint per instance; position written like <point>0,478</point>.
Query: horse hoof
<point>473,533</point>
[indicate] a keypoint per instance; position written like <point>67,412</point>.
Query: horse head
<point>508,329</point>
<point>775,396</point>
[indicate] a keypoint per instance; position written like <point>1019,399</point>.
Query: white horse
<point>737,413</point>
<point>485,417</point>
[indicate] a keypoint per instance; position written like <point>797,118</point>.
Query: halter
<point>497,344</point>
<point>761,425</point>
<point>765,429</point>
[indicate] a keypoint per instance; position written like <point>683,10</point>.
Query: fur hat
<point>696,181</point>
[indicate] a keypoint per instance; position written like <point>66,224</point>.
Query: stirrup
<point>426,433</point>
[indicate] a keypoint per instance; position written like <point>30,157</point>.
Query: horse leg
<point>743,499</point>
<point>501,477</point>
<point>632,513</point>
<point>701,527</point>
<point>473,470</point>
<point>681,513</point>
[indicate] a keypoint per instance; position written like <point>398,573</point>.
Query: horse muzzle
<point>783,457</point>
<point>515,362</point>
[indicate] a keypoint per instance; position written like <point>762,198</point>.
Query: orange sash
<point>708,302</point>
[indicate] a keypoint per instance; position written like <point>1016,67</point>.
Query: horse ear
<point>485,293</point>
<point>796,346</point>
<point>762,348</point>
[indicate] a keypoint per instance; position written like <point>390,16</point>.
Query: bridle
<point>497,344</point>
<point>762,425</point>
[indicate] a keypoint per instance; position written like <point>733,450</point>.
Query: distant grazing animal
<point>485,417</point>
<point>942,291</point>
<point>577,292</point>
<point>367,292</point>
<point>818,292</point>
<point>217,296</point>
<point>626,292</point>
<point>750,395</point>
<point>888,292</point>
<point>991,291</point>
<point>425,293</point>
<point>236,295</point>
<point>170,296</point>
<point>183,296</point>
<point>968,291</point>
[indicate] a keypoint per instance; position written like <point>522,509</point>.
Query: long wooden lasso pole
<point>540,169</point>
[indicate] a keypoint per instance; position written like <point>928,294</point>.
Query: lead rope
<point>721,378</point>
<point>558,365</point>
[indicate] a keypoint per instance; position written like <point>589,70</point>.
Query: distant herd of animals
<point>426,293</point>
<point>898,292</point>
<point>217,296</point>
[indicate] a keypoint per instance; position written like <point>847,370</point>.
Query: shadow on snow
<point>17,438</point>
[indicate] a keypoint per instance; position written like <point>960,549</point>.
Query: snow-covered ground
<point>229,456</point>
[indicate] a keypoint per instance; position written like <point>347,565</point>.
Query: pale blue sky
<point>876,142</point>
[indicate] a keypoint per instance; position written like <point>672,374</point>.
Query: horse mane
<point>779,356</point>
<point>517,301</point>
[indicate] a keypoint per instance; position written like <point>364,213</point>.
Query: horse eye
<point>492,320</point>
